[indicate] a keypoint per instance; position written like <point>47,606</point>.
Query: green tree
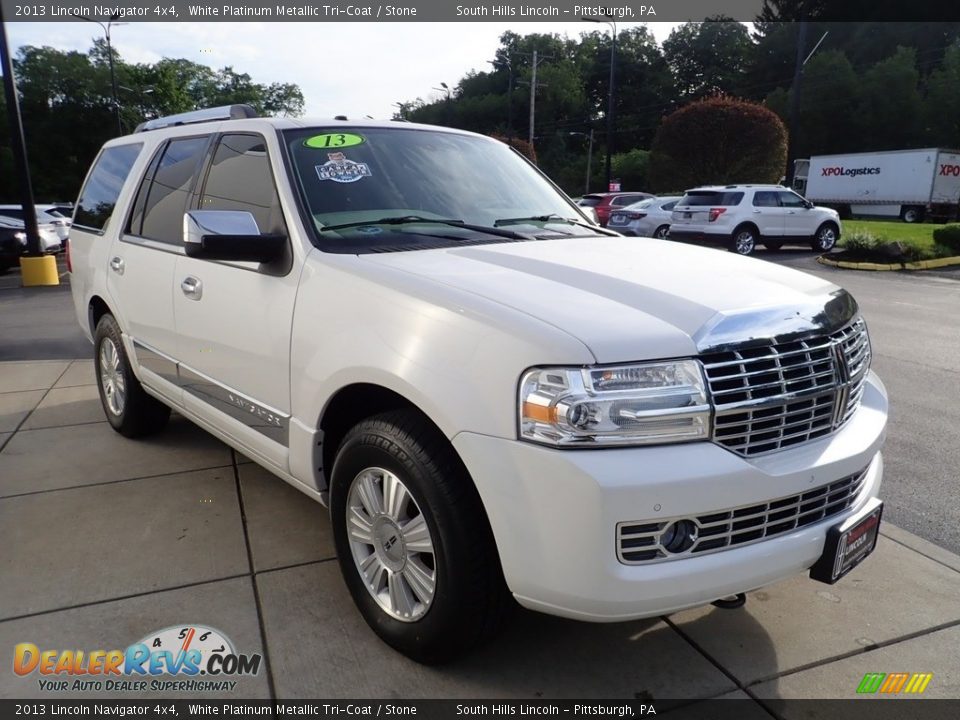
<point>66,101</point>
<point>890,98</point>
<point>632,168</point>
<point>708,57</point>
<point>719,140</point>
<point>941,106</point>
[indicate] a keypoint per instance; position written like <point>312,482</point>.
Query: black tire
<point>661,232</point>
<point>772,246</point>
<point>137,414</point>
<point>744,240</point>
<point>912,214</point>
<point>825,238</point>
<point>469,597</point>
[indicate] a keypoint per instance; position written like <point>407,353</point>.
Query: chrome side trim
<point>255,415</point>
<point>156,362</point>
<point>174,248</point>
<point>821,316</point>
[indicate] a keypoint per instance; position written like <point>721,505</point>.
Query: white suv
<point>742,216</point>
<point>495,399</point>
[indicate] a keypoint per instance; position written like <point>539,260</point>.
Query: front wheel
<point>744,241</point>
<point>129,409</point>
<point>412,538</point>
<point>826,238</point>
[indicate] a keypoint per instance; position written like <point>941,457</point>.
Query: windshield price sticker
<point>334,140</point>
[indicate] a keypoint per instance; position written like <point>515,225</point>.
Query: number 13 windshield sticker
<point>339,169</point>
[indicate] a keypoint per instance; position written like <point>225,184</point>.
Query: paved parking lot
<point>106,540</point>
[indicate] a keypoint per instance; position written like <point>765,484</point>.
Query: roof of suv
<point>722,188</point>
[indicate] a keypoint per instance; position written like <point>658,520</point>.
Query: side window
<point>791,200</point>
<point>99,194</point>
<point>169,189</point>
<point>766,199</point>
<point>669,206</point>
<point>240,179</point>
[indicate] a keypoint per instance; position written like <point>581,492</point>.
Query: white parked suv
<point>740,217</point>
<point>493,397</point>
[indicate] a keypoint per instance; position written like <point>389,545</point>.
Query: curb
<point>919,265</point>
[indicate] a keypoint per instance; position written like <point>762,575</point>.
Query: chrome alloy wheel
<point>391,544</point>
<point>744,242</point>
<point>826,238</point>
<point>111,377</point>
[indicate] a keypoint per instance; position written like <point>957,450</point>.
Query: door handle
<point>116,264</point>
<point>756,212</point>
<point>192,288</point>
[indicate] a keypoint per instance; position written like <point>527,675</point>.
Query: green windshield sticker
<point>334,140</point>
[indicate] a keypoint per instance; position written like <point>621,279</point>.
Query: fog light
<point>679,536</point>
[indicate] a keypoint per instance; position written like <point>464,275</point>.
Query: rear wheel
<point>826,238</point>
<point>912,214</point>
<point>661,232</point>
<point>744,240</point>
<point>129,410</point>
<point>412,538</point>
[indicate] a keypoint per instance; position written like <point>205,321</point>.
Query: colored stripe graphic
<point>871,682</point>
<point>894,683</point>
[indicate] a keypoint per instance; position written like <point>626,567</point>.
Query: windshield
<point>352,178</point>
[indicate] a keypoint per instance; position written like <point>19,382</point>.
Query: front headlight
<point>627,405</point>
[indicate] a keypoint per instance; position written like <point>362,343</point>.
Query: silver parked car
<point>47,216</point>
<point>647,218</point>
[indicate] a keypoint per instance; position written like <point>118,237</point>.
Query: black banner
<point>854,709</point>
<point>468,10</point>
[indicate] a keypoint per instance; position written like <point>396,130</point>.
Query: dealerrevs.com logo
<point>841,171</point>
<point>169,660</point>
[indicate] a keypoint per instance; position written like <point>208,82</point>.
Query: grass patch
<point>891,241</point>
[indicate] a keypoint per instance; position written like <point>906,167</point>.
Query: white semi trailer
<point>909,184</point>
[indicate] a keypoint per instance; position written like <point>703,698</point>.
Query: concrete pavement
<point>106,540</point>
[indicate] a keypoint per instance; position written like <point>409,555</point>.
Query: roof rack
<point>224,112</point>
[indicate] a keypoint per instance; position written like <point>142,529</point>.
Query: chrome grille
<point>770,397</point>
<point>643,542</point>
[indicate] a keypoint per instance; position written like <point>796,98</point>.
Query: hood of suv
<point>627,299</point>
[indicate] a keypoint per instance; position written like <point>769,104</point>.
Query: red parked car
<point>603,203</point>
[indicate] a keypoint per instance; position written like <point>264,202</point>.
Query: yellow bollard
<point>39,271</point>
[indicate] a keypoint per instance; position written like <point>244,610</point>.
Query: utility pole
<point>19,147</point>
<point>792,140</point>
<point>533,96</point>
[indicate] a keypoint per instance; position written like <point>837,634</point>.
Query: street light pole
<point>610,89</point>
<point>113,75</point>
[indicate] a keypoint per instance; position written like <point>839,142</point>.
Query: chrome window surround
<point>640,542</point>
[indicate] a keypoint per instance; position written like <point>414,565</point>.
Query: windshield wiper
<point>416,219</point>
<point>553,217</point>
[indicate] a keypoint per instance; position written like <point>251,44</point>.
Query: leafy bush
<point>718,141</point>
<point>949,237</point>
<point>864,245</point>
<point>860,241</point>
<point>631,167</point>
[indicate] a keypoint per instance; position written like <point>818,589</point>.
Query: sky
<point>352,69</point>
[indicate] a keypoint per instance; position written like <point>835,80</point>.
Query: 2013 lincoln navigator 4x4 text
<point>494,397</point>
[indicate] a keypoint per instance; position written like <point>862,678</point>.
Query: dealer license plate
<point>848,544</point>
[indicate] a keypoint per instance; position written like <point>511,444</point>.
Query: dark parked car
<point>604,203</point>
<point>13,240</point>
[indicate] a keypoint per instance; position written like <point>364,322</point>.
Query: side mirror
<point>808,205</point>
<point>229,235</point>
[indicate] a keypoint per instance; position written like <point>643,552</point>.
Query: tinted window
<point>713,198</point>
<point>589,202</point>
<point>766,199</point>
<point>166,198</point>
<point>791,200</point>
<point>18,214</point>
<point>240,179</point>
<point>668,206</point>
<point>99,194</point>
